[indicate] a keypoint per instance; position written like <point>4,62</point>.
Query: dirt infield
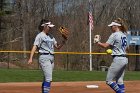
<point>66,87</point>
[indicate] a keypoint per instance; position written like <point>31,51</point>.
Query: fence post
<point>38,61</point>
<point>8,61</point>
<point>67,62</point>
<point>137,66</point>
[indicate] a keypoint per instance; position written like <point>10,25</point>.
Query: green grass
<point>132,75</point>
<point>16,75</point>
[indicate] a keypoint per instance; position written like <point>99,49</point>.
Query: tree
<point>22,25</point>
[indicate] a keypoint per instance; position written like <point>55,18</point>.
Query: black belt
<point>119,56</point>
<point>46,54</point>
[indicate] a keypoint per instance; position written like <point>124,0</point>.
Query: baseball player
<point>118,42</point>
<point>45,44</point>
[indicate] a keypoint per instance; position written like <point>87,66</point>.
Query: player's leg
<point>47,68</point>
<point>112,73</point>
<point>119,80</point>
<point>122,87</point>
<point>46,86</point>
<point>120,77</point>
<point>109,80</point>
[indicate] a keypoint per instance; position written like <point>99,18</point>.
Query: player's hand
<point>97,38</point>
<point>30,61</point>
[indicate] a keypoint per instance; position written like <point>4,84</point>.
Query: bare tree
<point>22,25</point>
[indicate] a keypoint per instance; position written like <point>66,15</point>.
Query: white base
<point>92,86</point>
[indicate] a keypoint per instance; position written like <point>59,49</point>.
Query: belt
<point>46,54</point>
<point>119,56</point>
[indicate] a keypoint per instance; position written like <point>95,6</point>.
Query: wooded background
<point>19,20</point>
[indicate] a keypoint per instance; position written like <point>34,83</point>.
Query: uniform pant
<point>116,72</point>
<point>47,65</point>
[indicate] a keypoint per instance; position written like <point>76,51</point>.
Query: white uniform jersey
<point>118,40</point>
<point>45,43</point>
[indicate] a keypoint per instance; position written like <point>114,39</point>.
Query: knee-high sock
<point>122,87</point>
<point>114,86</point>
<point>46,87</point>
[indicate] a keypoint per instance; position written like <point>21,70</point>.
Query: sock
<point>46,87</point>
<point>122,87</point>
<point>114,86</point>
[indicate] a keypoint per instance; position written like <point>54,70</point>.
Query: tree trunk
<point>137,67</point>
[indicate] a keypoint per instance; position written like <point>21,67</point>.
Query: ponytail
<point>123,26</point>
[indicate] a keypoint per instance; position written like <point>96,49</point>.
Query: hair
<point>123,26</point>
<point>42,22</point>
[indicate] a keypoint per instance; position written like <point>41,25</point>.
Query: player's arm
<point>109,42</point>
<point>58,46</point>
<point>97,39</point>
<point>37,43</point>
<point>104,45</point>
<point>32,54</point>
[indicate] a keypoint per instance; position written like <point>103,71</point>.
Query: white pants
<point>47,65</point>
<point>117,69</point>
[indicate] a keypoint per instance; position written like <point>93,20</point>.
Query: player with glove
<point>118,42</point>
<point>45,43</point>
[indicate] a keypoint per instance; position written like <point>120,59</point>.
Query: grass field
<point>16,75</point>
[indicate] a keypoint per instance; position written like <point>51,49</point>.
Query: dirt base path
<point>66,87</point>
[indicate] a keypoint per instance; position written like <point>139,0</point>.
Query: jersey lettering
<point>124,43</point>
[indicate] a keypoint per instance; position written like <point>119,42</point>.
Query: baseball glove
<point>97,38</point>
<point>64,31</point>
